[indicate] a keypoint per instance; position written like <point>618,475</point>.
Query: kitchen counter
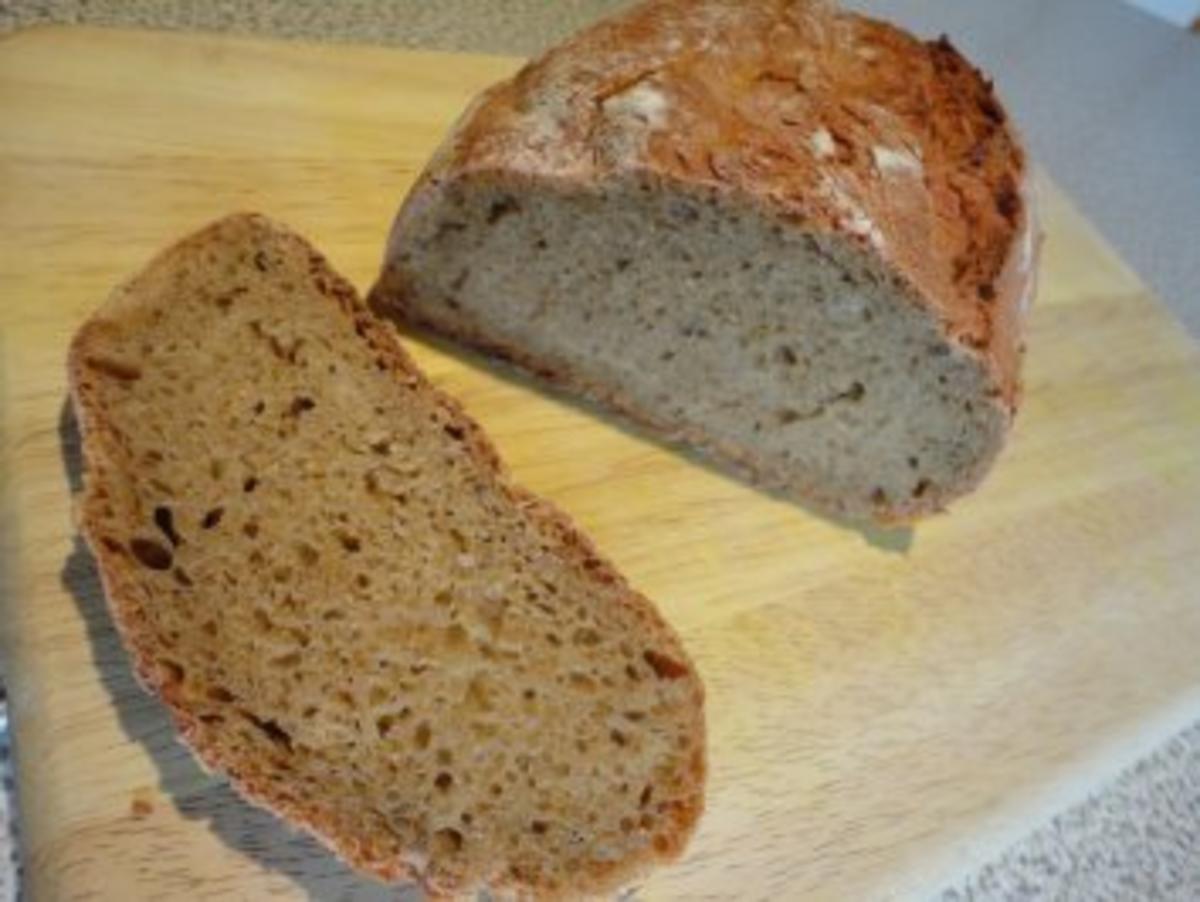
<point>1108,99</point>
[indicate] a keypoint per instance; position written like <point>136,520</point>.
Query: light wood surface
<point>883,707</point>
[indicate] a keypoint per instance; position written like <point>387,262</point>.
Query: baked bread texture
<point>318,563</point>
<point>796,238</point>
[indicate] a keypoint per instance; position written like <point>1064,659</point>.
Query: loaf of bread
<point>796,238</point>
<point>317,561</point>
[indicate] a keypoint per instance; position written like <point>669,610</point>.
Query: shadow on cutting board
<point>250,831</point>
<point>895,539</point>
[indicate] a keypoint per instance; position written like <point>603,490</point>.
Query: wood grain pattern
<point>883,706</point>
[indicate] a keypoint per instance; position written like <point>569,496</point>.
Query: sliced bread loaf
<point>797,238</point>
<point>316,560</point>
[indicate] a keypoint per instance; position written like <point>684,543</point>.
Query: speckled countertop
<point>1093,75</point>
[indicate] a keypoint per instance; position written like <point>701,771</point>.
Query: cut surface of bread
<point>318,563</point>
<point>797,238</point>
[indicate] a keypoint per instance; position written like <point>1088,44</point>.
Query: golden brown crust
<point>825,119</point>
<point>102,453</point>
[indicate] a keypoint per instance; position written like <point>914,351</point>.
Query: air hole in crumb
<point>181,577</point>
<point>172,671</point>
<point>539,827</point>
<point>250,484</point>
<point>422,735</point>
<point>446,841</point>
<point>788,356</point>
<point>500,208</point>
<point>618,737</point>
<point>456,432</point>
<point>301,404</point>
<point>921,488</point>
<point>220,694</point>
<point>444,781</point>
<point>585,636</point>
<point>165,521</point>
<point>582,681</point>
<point>272,730</point>
<point>212,518</point>
<point>644,800</point>
<point>308,554</point>
<point>250,528</point>
<point>351,543</point>
<point>855,392</point>
<point>151,554</point>
<point>913,463</point>
<point>786,415</point>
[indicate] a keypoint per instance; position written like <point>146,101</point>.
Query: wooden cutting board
<point>884,708</point>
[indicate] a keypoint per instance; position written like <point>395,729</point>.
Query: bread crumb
<point>141,805</point>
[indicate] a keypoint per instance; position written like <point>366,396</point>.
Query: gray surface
<point>1138,839</point>
<point>1109,99</point>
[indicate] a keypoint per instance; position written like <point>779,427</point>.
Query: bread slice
<point>317,561</point>
<point>796,238</point>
